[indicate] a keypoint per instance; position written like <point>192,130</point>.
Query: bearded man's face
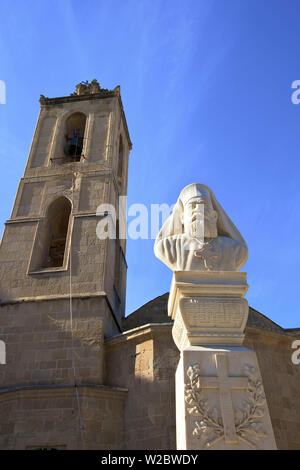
<point>199,218</point>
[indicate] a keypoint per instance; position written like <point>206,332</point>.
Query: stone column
<point>220,400</point>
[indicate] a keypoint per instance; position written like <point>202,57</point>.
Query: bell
<point>74,146</point>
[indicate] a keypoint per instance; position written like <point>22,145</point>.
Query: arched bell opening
<point>74,137</point>
<point>56,231</point>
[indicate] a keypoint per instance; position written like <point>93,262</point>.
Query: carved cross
<point>225,384</point>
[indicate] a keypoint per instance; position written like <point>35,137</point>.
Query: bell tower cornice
<point>86,91</point>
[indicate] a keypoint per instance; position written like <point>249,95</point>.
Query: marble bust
<point>199,236</point>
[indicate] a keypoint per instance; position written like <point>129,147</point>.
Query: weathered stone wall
<point>144,363</point>
<point>88,417</point>
<point>39,344</point>
<point>38,398</point>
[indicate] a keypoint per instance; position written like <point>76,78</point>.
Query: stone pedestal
<point>220,400</point>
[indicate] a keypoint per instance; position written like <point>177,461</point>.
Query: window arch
<point>53,236</point>
<point>74,137</point>
<point>56,230</point>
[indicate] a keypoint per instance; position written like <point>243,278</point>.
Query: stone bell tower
<point>63,288</point>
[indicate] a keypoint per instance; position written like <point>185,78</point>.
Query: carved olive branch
<point>209,423</point>
<point>249,426</point>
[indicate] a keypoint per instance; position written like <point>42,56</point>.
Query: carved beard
<point>210,225</point>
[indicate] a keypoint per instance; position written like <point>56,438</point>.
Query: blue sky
<point>206,87</point>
